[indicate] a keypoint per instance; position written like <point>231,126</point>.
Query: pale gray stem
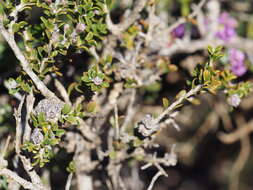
<point>121,27</point>
<point>130,111</point>
<point>63,91</point>
<point>192,15</point>
<point>31,172</point>
<point>17,115</point>
<point>116,120</point>
<point>26,184</point>
<point>68,184</point>
<point>29,108</point>
<point>156,176</point>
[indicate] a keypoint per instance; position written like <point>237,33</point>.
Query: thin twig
<point>156,176</point>
<point>151,22</point>
<point>62,91</point>
<point>26,163</point>
<point>130,111</point>
<point>26,184</point>
<point>116,120</point>
<point>68,184</point>
<point>240,163</point>
<point>94,53</point>
<point>29,108</point>
<point>241,159</point>
<point>17,115</point>
<point>31,172</point>
<point>238,134</point>
<point>117,29</point>
<point>176,103</point>
<point>192,15</point>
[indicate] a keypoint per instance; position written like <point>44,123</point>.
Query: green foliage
<point>76,25</point>
<point>15,85</point>
<point>42,153</point>
<point>52,136</point>
<point>79,25</point>
<point>52,132</point>
<point>70,115</point>
<point>214,53</point>
<point>66,109</point>
<point>242,89</point>
<point>95,79</point>
<point>214,79</point>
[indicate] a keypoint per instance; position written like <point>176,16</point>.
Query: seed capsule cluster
<point>50,107</point>
<point>37,136</point>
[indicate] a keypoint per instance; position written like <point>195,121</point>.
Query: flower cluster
<point>236,58</point>
<point>50,107</point>
<point>227,25</point>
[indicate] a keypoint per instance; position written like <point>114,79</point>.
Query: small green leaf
<point>86,78</point>
<point>105,84</point>
<point>48,24</point>
<point>60,132</point>
<point>89,36</point>
<point>91,107</point>
<point>165,102</point>
<point>66,109</point>
<point>113,155</point>
<point>54,141</point>
<point>15,27</point>
<point>71,87</point>
<point>181,94</point>
<point>206,75</point>
<point>194,101</point>
<point>41,117</point>
<point>72,119</point>
<point>71,167</point>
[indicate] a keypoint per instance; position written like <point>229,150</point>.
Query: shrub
<point>84,83</point>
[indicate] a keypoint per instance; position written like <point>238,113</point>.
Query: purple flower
<point>227,20</point>
<point>179,31</point>
<point>236,58</point>
<point>227,27</point>
<point>239,70</point>
<point>236,55</point>
<point>234,100</point>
